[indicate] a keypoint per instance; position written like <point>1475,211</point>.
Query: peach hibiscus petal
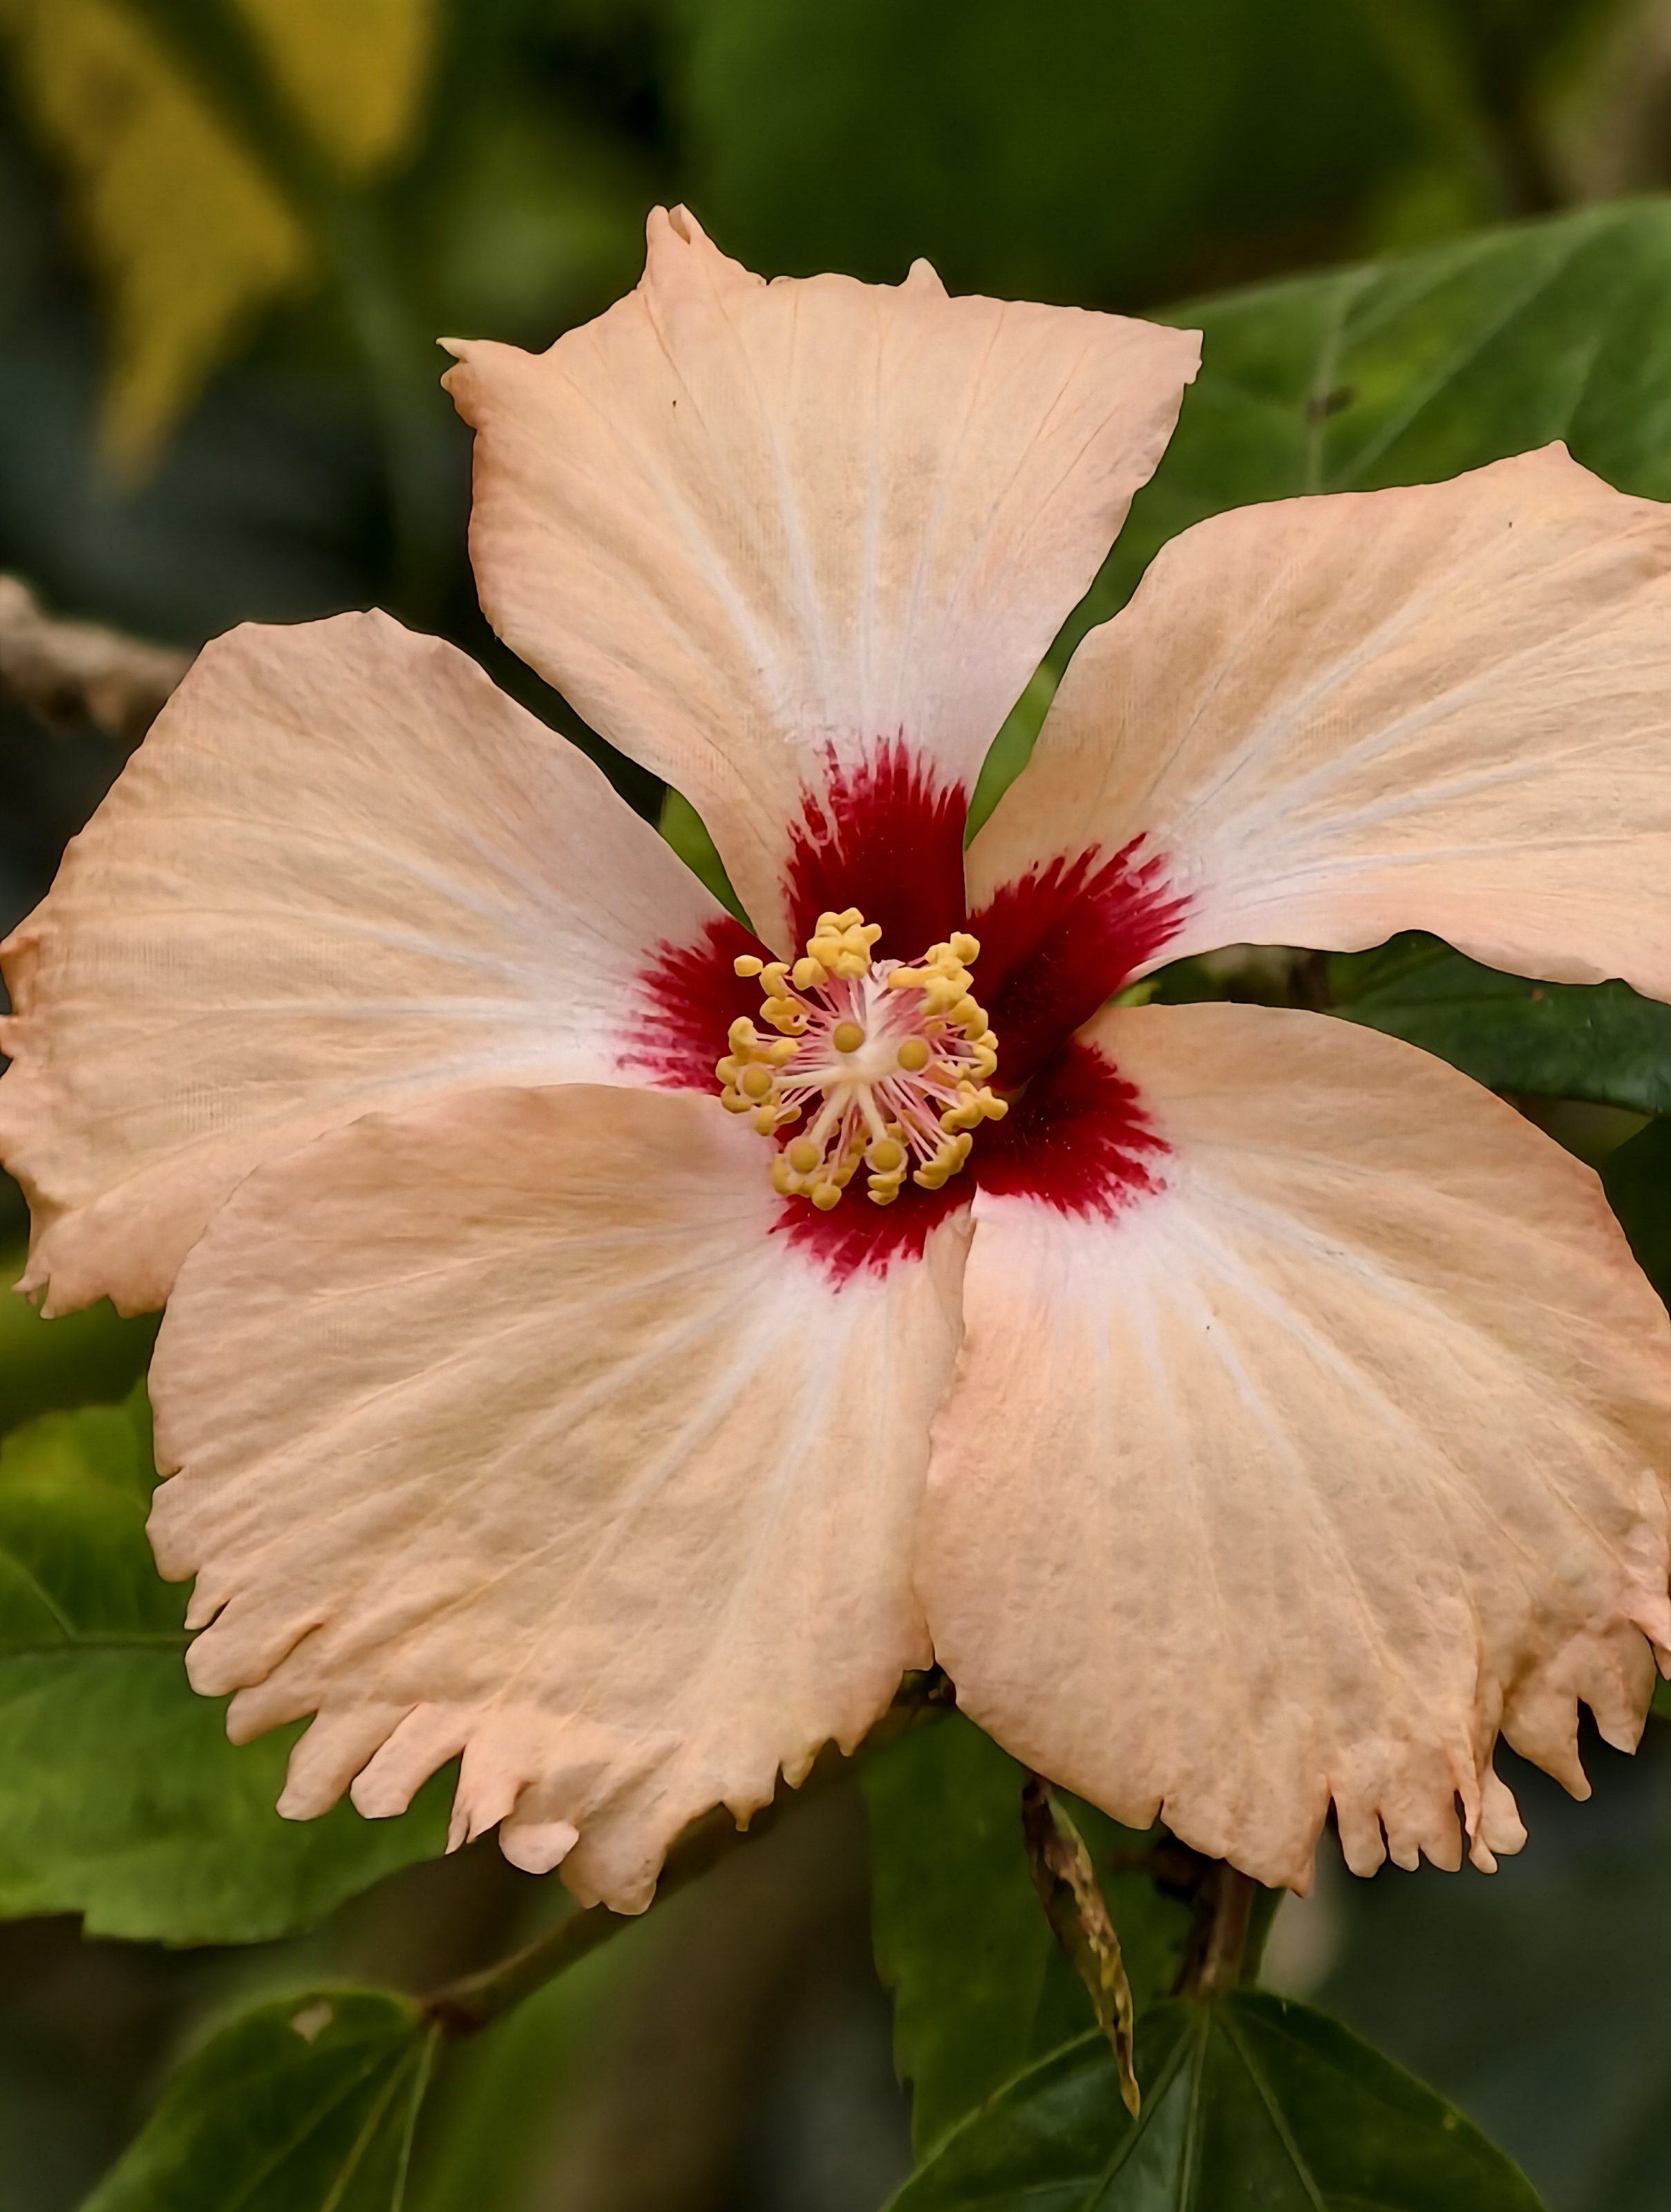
<point>799,546</point>
<point>1296,1468</point>
<point>343,870</point>
<point>1322,720</point>
<point>507,1426</point>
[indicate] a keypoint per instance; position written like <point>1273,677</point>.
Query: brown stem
<point>473,2001</point>
<point>1217,1948</point>
<point>70,671</point>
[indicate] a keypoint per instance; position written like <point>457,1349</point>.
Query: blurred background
<point>230,232</point>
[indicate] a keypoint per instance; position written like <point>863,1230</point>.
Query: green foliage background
<point>1418,234</point>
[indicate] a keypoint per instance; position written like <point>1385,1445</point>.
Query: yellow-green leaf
<point>190,228</point>
<point>188,237</point>
<point>355,72</point>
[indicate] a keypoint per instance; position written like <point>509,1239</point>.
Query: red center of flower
<point>871,1063</point>
<point>1062,1127</point>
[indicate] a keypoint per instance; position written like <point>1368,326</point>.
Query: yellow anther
<point>913,1116</point>
<point>841,945</point>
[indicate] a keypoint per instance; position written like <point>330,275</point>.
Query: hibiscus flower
<point>613,1344</point>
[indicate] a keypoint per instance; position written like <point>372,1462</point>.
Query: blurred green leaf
<point>187,233</point>
<point>1407,371</point>
<point>120,1797</point>
<point>190,227</point>
<point>1253,2101</point>
<point>1476,73</point>
<point>356,74</point>
<point>541,221</point>
<point>1637,1179</point>
<point>307,2105</point>
<point>980,1985</point>
<point>93,1356</point>
<point>1634,2179</point>
<point>506,2098</point>
<point>1597,1041</point>
<point>1078,149</point>
<point>1414,369</point>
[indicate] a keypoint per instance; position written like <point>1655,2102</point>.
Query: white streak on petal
<point>343,871</point>
<point>1312,1468</point>
<point>1446,707</point>
<point>745,526</point>
<point>511,1424</point>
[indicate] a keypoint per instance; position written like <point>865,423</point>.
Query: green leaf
<point>1011,749</point>
<point>687,833</point>
<point>1407,371</point>
<point>81,1358</point>
<point>980,1984</point>
<point>1598,1041</point>
<point>1637,1179</point>
<point>1412,369</point>
<point>307,2105</point>
<point>1253,2101</point>
<point>120,1797</point>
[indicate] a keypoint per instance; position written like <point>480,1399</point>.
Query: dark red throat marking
<point>885,837</point>
<point>1055,944</point>
<point>1077,1140</point>
<point>856,1238</point>
<point>1059,941</point>
<point>690,995</point>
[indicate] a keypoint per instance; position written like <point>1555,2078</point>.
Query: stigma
<point>874,1064</point>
